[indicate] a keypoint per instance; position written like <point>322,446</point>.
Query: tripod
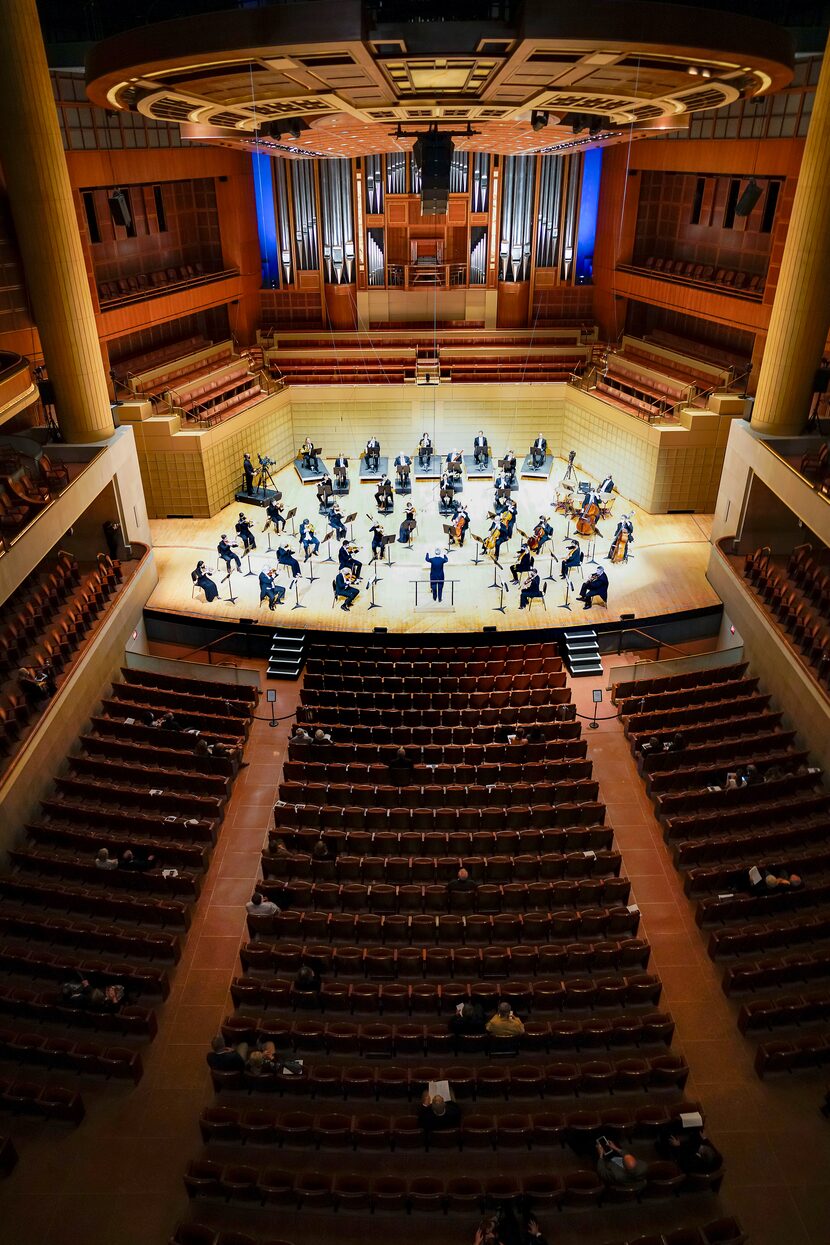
<point>263,480</point>
<point>570,470</point>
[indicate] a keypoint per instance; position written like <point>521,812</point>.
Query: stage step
<point>582,653</point>
<point>287,656</point>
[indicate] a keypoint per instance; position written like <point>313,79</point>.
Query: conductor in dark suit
<point>539,451</point>
<point>437,561</point>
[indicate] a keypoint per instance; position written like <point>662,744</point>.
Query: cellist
<point>623,537</point>
<point>459,527</point>
<point>542,533</point>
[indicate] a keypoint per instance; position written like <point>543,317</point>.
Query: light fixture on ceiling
<point>539,119</point>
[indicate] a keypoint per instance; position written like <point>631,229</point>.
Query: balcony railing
<point>425,276</point>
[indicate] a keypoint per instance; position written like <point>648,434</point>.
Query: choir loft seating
<point>394,357</point>
<point>123,291</point>
<point>548,928</point>
<point>734,281</point>
<point>65,920</point>
<point>771,940</point>
<point>795,592</point>
<point>653,380</point>
<point>204,386</point>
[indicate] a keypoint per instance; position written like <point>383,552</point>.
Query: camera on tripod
<point>265,461</point>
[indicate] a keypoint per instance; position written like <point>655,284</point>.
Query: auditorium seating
<point>134,365</point>
<point>795,592</point>
<point>209,397</point>
<point>548,928</point>
<point>733,281</point>
<point>121,291</point>
<point>770,940</point>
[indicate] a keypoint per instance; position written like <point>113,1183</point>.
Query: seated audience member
<point>168,722</point>
<point>731,783</point>
<point>436,1114</point>
<point>461,883</point>
<point>224,1058</point>
<point>258,905</point>
<point>307,982</point>
<point>261,1061</point>
<point>107,1001</point>
<point>505,1023</point>
<point>751,776</point>
<point>468,1020</point>
<point>77,991</point>
<point>216,748</point>
<point>616,1168</point>
<point>650,747</point>
<point>400,768</point>
<point>689,1148</point>
<point>676,744</point>
<point>36,686</point>
<point>136,862</point>
<point>764,879</point>
<point>320,851</point>
<point>321,736</point>
<point>301,735</point>
<point>104,861</point>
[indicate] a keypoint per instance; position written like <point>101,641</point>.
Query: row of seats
<point>89,814</point>
<point>438,700</point>
<point>446,726</point>
<point>209,702</point>
<point>627,372</point>
<point>394,684</point>
<point>696,679</point>
<point>798,598</point>
<point>787,1011</point>
<point>53,1006</point>
<point>620,395</point>
<point>346,795</point>
<point>122,289</point>
<point>183,370</point>
<point>769,935</point>
<point>528,867</point>
<point>708,274</point>
<point>51,1102</point>
<point>657,766</point>
<point>704,351</point>
<point>763,841</point>
<point>431,754</point>
<point>711,879</point>
<point>245,693</point>
<point>430,831</point>
<point>62,965</point>
<point>475,652</point>
<point>329,771</point>
<point>89,1058</point>
<point>429,340</point>
<point>686,697</point>
<point>791,970</point>
<point>669,791</point>
<point>134,365</point>
<point>336,667</point>
<point>807,1054</point>
<point>626,1031</point>
<point>510,900</point>
<point>686,370</point>
<point>170,852</point>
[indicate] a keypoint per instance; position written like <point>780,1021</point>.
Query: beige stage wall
<point>196,472</point>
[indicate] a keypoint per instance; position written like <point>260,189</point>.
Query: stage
<point>664,576</point>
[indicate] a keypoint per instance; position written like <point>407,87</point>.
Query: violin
<point>586,523</point>
<point>348,577</point>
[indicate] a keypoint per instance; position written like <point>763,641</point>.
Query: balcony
<point>159,284</point>
<point>17,388</point>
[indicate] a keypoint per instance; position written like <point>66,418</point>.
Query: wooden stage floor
<point>665,575</point>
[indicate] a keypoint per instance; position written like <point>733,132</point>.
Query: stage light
<point>538,119</point>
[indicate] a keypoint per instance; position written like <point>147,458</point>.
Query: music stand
<point>315,454</point>
<point>373,604</point>
<point>496,563</point>
<point>326,541</point>
<point>566,603</point>
<point>553,558</point>
<point>295,584</point>
<point>249,572</point>
<point>269,550</point>
<point>310,559</point>
<point>501,608</point>
<point>231,597</point>
<point>389,542</point>
<point>479,540</point>
<point>350,518</point>
<point>290,516</point>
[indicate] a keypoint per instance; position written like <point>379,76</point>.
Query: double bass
<point>586,523</point>
<point>622,539</point>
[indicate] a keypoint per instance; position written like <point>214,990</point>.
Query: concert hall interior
<point>413,428</point>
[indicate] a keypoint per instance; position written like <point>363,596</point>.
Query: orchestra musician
<point>341,466</point>
<point>378,541</point>
<point>310,459</point>
<point>538,451</point>
<point>269,589</point>
<point>623,537</point>
<point>247,473</point>
<point>481,450</point>
<point>437,561</point>
<point>446,492</point>
<point>344,586</point>
<point>201,576</point>
<point>403,464</point>
<point>347,560</point>
<point>586,520</point>
<point>336,521</point>
<point>308,540</point>
<point>286,557</point>
<point>541,534</point>
<point>573,557</point>
<point>459,527</point>
<point>595,585</point>
<point>497,536</point>
<point>501,485</point>
<point>530,588</point>
<point>384,494</point>
<point>243,531</point>
<point>275,516</point>
<point>408,525</point>
<point>523,564</point>
<point>425,450</point>
<point>605,489</point>
<point>226,553</point>
<point>509,467</point>
<point>372,454</point>
<point>508,516</point>
<point>324,493</point>
<point>454,461</point>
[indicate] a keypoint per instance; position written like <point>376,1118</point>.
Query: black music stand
<point>327,541</point>
<point>349,519</point>
<point>501,608</point>
<point>249,571</point>
<point>310,559</point>
<point>496,563</point>
<point>553,558</point>
<point>296,586</point>
<point>373,604</point>
<point>290,516</point>
<point>389,541</point>
<point>566,603</point>
<point>479,540</point>
<point>231,597</point>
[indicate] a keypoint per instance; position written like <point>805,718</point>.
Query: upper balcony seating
<point>122,290</point>
<point>731,280</point>
<point>181,370</point>
<point>133,365</point>
<point>796,593</point>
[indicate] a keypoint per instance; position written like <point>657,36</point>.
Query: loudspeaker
<point>748,199</point>
<point>433,156</point>
<point>120,209</point>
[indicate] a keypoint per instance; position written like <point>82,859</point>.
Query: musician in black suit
<point>408,525</point>
<point>269,589</point>
<point>341,467</point>
<point>572,559</point>
<point>336,521</point>
<point>248,472</point>
<point>372,453</point>
<point>595,585</point>
<point>310,459</point>
<point>512,508</point>
<point>285,557</point>
<point>324,493</point>
<point>243,531</point>
<point>384,494</point>
<point>201,576</point>
<point>275,515</point>
<point>343,587</point>
<point>501,486</point>
<point>459,527</point>
<point>530,588</point>
<point>454,461</point>
<point>347,560</point>
<point>227,554</point>
<point>539,451</point>
<point>378,541</point>
<point>446,492</point>
<point>509,467</point>
<point>523,564</point>
<point>605,489</point>
<point>403,464</point>
<point>481,450</point>
<point>425,450</point>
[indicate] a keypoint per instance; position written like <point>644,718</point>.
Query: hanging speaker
<point>748,199</point>
<point>433,157</point>
<point>120,209</point>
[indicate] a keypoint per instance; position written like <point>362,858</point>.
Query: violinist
<point>372,454</point>
<point>336,521</point>
<point>378,541</point>
<point>623,537</point>
<point>595,585</point>
<point>523,564</point>
<point>274,511</point>
<point>403,464</point>
<point>310,459</point>
<point>384,494</point>
<point>573,557</point>
<point>530,588</point>
<point>446,492</point>
<point>454,462</point>
<point>425,450</point>
<point>542,533</point>
<point>538,451</point>
<point>344,586</point>
<point>243,531</point>
<point>324,493</point>
<point>202,577</point>
<point>605,489</point>
<point>459,528</point>
<point>286,557</point>
<point>408,526</point>
<point>509,467</point>
<point>347,560</point>
<point>308,540</point>
<point>269,589</point>
<point>341,466</point>
<point>481,450</point>
<point>226,553</point>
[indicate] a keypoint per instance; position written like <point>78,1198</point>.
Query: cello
<point>586,523</point>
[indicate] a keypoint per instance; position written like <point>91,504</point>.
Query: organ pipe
<point>337,221</point>
<point>284,222</point>
<point>396,173</point>
<point>481,181</point>
<point>515,242</point>
<point>374,185</point>
<point>550,204</point>
<point>374,253</point>
<point>305,214</point>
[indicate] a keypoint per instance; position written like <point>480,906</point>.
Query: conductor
<point>437,561</point>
